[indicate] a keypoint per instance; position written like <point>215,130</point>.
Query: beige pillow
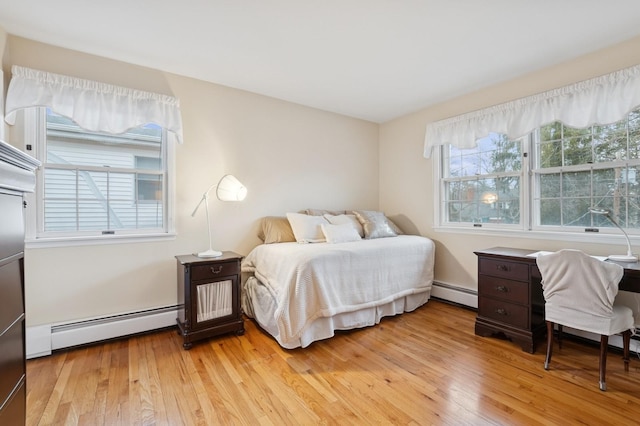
<point>343,233</point>
<point>306,228</point>
<point>345,218</point>
<point>276,229</point>
<point>375,224</point>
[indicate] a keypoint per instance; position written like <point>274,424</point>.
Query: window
<point>483,185</point>
<point>93,184</point>
<point>572,170</point>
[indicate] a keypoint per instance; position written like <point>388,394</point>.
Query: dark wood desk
<point>510,300</point>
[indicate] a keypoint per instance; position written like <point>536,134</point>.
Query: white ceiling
<point>370,59</point>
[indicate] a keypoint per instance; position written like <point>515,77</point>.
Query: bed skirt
<point>323,327</point>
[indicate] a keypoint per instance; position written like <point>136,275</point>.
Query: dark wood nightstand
<point>208,297</point>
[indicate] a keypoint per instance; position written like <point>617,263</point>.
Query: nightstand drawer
<point>501,288</point>
<point>214,271</point>
<point>506,313</point>
<point>505,269</point>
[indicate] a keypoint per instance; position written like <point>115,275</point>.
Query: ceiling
<point>371,59</point>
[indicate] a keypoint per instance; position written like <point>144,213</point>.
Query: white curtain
<point>215,300</point>
<point>94,106</point>
<point>601,100</point>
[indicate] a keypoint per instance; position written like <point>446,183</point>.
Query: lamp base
<point>210,253</point>
<point>622,258</point>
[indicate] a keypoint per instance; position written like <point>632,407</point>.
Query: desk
<point>510,300</point>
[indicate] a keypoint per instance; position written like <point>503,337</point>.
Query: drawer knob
<point>502,289</point>
<point>216,270</point>
<point>503,268</point>
<point>501,311</point>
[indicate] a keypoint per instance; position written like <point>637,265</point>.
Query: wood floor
<point>424,367</point>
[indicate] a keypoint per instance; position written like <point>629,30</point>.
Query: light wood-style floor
<point>424,367</point>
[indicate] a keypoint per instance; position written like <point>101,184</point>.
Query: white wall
<point>406,178</point>
<point>290,158</point>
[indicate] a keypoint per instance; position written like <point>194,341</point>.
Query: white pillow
<point>340,233</point>
<point>306,228</point>
<point>346,218</point>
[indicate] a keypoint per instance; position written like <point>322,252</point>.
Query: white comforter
<point>309,281</point>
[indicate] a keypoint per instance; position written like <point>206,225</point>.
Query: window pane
<point>150,215</point>
<point>576,184</point>
<point>93,215</point>
<point>603,183</point>
<point>550,185</point>
<point>469,212</point>
<point>508,201</point>
<point>551,132</point>
<point>575,212</point>
<point>550,212</point>
<point>149,187</point>
<point>453,211</point>
<point>60,215</point>
<point>550,154</point>
<point>577,150</point>
<point>101,182</point>
<point>60,184</point>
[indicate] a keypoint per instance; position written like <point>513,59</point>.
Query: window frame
<point>529,195</point>
<point>441,214</point>
<point>32,121</point>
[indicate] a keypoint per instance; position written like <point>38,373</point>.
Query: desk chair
<point>579,292</point>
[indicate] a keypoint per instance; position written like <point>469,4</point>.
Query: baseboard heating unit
<point>41,340</point>
<point>459,295</point>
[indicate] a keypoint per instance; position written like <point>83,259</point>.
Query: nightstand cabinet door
<point>209,297</point>
<point>510,301</point>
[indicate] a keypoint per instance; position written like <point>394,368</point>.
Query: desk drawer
<point>504,312</point>
<point>214,271</point>
<point>501,288</point>
<point>504,269</point>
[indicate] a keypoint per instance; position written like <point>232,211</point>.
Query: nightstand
<point>208,297</point>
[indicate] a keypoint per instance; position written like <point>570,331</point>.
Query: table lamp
<point>629,257</point>
<point>227,189</point>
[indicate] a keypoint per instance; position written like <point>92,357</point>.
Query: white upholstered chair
<point>579,292</point>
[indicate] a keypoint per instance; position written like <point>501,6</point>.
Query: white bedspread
<point>309,281</point>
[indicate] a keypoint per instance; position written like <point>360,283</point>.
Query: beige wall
<point>290,158</point>
<point>407,186</point>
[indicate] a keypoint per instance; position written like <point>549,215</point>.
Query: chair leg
<point>626,340</point>
<point>549,344</point>
<point>604,344</point>
<point>559,336</point>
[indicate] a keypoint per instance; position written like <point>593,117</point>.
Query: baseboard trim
<point>451,293</point>
<point>43,339</point>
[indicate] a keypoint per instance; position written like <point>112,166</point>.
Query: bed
<point>301,293</point>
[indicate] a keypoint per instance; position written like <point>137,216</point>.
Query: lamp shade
<point>230,189</point>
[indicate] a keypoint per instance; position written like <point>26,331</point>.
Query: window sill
<point>580,237</point>
<point>40,243</point>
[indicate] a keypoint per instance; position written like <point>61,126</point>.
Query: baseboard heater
<point>451,293</point>
<point>66,335</point>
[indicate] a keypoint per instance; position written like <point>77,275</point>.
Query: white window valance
<point>94,106</point>
<point>601,100</point>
